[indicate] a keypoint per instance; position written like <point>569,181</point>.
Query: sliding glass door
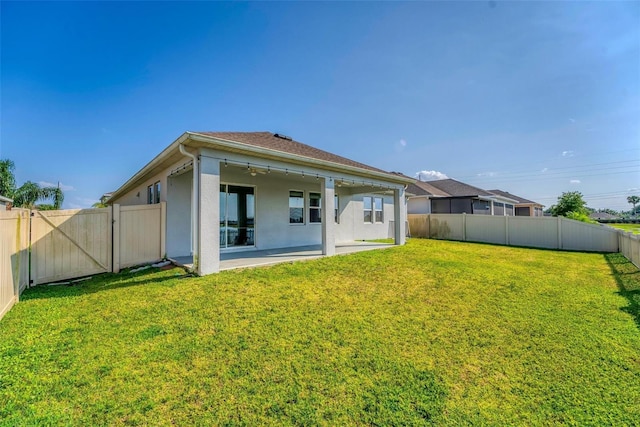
<point>237,216</point>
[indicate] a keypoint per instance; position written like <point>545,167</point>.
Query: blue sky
<point>534,98</point>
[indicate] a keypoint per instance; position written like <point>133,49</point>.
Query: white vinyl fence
<point>630,247</point>
<point>14,256</point>
<point>68,244</point>
<point>138,234</point>
<point>537,232</point>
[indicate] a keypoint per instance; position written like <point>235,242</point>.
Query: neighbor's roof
<point>602,215</point>
<point>520,200</point>
<point>283,144</point>
<point>421,188</point>
<point>453,188</point>
<point>5,199</point>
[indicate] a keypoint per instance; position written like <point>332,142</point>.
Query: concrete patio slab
<point>256,258</point>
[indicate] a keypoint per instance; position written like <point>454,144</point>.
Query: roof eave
<point>164,154</point>
<point>294,158</point>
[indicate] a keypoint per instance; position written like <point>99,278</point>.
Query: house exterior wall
<point>273,229</point>
<point>419,205</point>
<point>178,190</point>
<point>271,190</point>
<point>138,195</point>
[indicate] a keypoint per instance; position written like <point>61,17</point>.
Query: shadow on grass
<point>627,277</point>
<point>103,282</point>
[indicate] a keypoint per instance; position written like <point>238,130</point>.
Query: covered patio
<point>258,258</point>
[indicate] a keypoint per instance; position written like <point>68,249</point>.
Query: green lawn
<point>634,228</point>
<point>434,332</point>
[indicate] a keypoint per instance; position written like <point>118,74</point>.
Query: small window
<point>336,212</point>
<point>150,196</point>
<point>368,209</point>
<point>156,189</point>
<point>377,204</point>
<point>314,208</point>
<point>296,207</point>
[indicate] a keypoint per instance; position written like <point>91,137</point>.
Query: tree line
<point>571,205</point>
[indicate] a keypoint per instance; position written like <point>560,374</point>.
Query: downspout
<point>195,197</point>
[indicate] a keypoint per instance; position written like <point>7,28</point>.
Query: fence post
<point>506,230</point>
<point>115,237</point>
<point>163,229</point>
<point>464,227</point>
<point>559,232</point>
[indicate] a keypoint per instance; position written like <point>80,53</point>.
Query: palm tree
<point>30,192</point>
<point>634,200</point>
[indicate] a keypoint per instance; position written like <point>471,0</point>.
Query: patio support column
<point>328,223</point>
<point>399,216</point>
<point>208,217</point>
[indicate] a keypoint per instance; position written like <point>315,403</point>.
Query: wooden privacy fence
<point>545,232</point>
<point>68,244</point>
<point>14,256</point>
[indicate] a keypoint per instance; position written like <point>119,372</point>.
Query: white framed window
<point>377,208</point>
<point>373,209</point>
<point>296,207</point>
<point>336,209</point>
<point>156,191</point>
<point>367,207</point>
<point>150,195</point>
<point>315,212</point>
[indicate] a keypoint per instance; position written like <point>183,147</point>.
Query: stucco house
<point>243,191</point>
<point>523,206</point>
<point>452,196</point>
<point>5,203</point>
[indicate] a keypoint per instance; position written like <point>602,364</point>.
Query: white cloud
<point>544,170</point>
<point>574,181</point>
<point>426,175</point>
<point>490,174</point>
<point>400,145</point>
<point>62,186</point>
<point>567,153</point>
<point>572,120</point>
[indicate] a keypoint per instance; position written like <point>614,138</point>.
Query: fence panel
<point>418,225</point>
<point>630,247</point>
<point>580,236</point>
<point>141,234</point>
<point>486,228</point>
<point>67,244</point>
<point>446,226</point>
<point>14,257</point>
<point>535,232</point>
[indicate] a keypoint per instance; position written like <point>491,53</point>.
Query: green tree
<point>634,200</point>
<point>7,179</point>
<point>570,202</point>
<point>29,193</point>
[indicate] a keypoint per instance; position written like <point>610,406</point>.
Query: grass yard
<point>434,332</point>
<point>634,228</point>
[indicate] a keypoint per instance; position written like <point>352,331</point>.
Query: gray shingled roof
<point>455,188</point>
<point>270,141</point>
<point>513,196</point>
<point>421,188</point>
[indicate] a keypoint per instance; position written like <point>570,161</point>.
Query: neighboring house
<point>451,196</point>
<point>602,216</point>
<point>5,203</point>
<point>230,191</point>
<point>105,197</point>
<point>523,206</point>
